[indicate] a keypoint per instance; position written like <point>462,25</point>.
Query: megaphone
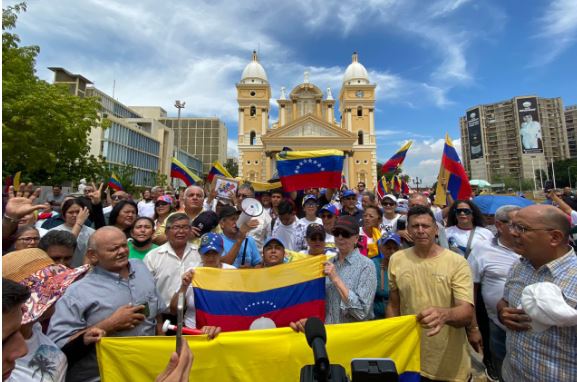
<point>250,208</point>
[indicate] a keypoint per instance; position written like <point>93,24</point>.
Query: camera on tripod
<point>363,369</point>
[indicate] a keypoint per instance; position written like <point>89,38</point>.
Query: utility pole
<point>417,181</point>
<point>179,105</point>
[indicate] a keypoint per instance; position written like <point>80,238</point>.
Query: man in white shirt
<point>146,205</point>
<point>288,229</point>
<point>171,260</point>
<point>490,263</point>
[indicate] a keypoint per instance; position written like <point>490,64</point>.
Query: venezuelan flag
<point>303,169</point>
<point>114,183</point>
<point>217,169</point>
<point>458,181</point>
<point>382,187</point>
<point>396,184</point>
<point>405,187</point>
<point>396,160</point>
<point>180,171</point>
<point>233,299</point>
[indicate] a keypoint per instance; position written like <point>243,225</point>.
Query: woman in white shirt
<point>465,218</point>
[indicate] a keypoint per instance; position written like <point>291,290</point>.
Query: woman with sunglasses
<point>163,207</point>
<point>465,219</point>
<point>352,284</point>
<point>370,233</point>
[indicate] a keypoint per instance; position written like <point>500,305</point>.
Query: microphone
<point>317,337</point>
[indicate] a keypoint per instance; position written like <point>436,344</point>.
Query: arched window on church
<point>361,137</point>
<point>252,137</point>
<point>252,176</point>
<point>252,111</point>
<point>363,177</point>
<point>359,111</point>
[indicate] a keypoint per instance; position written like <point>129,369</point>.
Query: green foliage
<point>45,128</point>
<point>232,166</point>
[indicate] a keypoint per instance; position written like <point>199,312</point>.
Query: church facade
<point>306,121</point>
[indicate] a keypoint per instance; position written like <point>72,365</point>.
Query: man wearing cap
<point>288,229</point>
<point>47,282</point>
<point>540,234</point>
<point>211,249</point>
<point>264,228</point>
<point>118,296</point>
<point>315,238</point>
<point>435,284</point>
<point>390,217</point>
<point>329,214</point>
<point>352,281</point>
<point>273,252</point>
<point>168,262</point>
<point>388,244</point>
<point>310,206</point>
<point>240,250</point>
<point>349,202</point>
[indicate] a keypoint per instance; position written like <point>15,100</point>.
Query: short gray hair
<point>502,213</point>
<point>247,186</point>
<point>370,194</point>
<point>176,217</point>
<point>189,188</point>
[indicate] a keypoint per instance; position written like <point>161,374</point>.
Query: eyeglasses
<point>117,197</point>
<point>390,204</point>
<point>160,204</point>
<point>343,234</point>
<point>463,211</point>
<point>176,228</point>
<point>521,229</point>
<point>28,239</point>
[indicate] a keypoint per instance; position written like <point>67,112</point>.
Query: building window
<point>359,111</point>
<point>361,138</point>
<point>252,137</point>
<point>252,93</point>
<point>252,111</point>
<point>247,162</point>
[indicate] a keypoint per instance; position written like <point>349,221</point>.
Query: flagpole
<point>534,178</point>
<point>553,173</point>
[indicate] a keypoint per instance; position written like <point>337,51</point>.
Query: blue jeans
<point>497,341</point>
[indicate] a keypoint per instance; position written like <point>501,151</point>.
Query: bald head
<point>549,216</point>
<point>103,235</point>
<point>418,199</point>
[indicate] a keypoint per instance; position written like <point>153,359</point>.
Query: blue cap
<point>309,197</point>
<point>271,239</point>
<point>211,242</point>
<point>330,208</point>
<point>390,236</point>
<point>348,193</point>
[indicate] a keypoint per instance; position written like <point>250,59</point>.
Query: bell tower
<point>253,97</point>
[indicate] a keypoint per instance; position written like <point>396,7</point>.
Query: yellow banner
<point>265,186</point>
<point>262,355</point>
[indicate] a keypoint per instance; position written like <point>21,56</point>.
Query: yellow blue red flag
<point>217,169</point>
<point>180,171</point>
<point>264,355</point>
<point>114,183</point>
<point>298,170</point>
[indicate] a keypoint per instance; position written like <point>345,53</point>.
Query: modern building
<point>130,139</point>
<point>307,122</point>
<point>513,138</point>
<point>571,124</point>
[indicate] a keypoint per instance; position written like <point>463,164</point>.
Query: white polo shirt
<point>167,268</point>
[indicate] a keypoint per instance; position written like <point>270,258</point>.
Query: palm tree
<point>42,365</point>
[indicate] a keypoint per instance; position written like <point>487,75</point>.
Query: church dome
<point>356,73</point>
<point>254,73</point>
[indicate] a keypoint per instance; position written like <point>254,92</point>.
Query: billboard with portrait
<point>474,129</point>
<point>529,125</point>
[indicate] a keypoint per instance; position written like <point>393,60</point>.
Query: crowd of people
<point>94,264</point>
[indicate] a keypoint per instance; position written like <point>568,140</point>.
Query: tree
<point>232,166</point>
<point>45,128</point>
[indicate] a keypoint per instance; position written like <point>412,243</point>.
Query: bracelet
<point>11,219</point>
<point>472,328</point>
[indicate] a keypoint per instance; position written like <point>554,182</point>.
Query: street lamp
<point>569,175</point>
<point>417,181</point>
<point>179,105</point>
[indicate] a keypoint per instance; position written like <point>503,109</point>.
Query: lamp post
<point>179,105</point>
<point>569,175</point>
<point>417,181</point>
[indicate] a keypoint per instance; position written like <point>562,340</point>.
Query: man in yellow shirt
<point>436,285</point>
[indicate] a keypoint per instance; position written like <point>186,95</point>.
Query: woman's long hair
<point>478,220</point>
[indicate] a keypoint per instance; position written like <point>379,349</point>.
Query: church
<point>306,121</point>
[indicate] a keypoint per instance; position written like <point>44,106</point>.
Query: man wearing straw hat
<point>47,282</point>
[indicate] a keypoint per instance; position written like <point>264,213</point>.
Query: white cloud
<point>232,148</point>
<point>558,28</point>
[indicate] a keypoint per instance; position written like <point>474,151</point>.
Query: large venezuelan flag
<point>114,183</point>
<point>217,169</point>
<point>233,299</point>
<point>458,181</point>
<point>264,355</point>
<point>180,171</point>
<point>396,160</point>
<point>303,169</point>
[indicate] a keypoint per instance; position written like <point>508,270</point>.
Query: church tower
<point>357,108</point>
<point>253,95</point>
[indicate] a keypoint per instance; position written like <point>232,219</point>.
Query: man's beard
<point>140,244</point>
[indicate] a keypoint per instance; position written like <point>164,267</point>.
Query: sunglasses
<point>160,204</point>
<point>116,197</point>
<point>463,211</point>
<point>343,234</point>
<point>389,204</point>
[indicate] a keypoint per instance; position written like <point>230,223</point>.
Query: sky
<point>431,60</point>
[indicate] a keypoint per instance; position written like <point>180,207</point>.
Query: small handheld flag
<point>114,183</point>
<point>458,181</point>
<point>180,171</point>
<point>217,169</point>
